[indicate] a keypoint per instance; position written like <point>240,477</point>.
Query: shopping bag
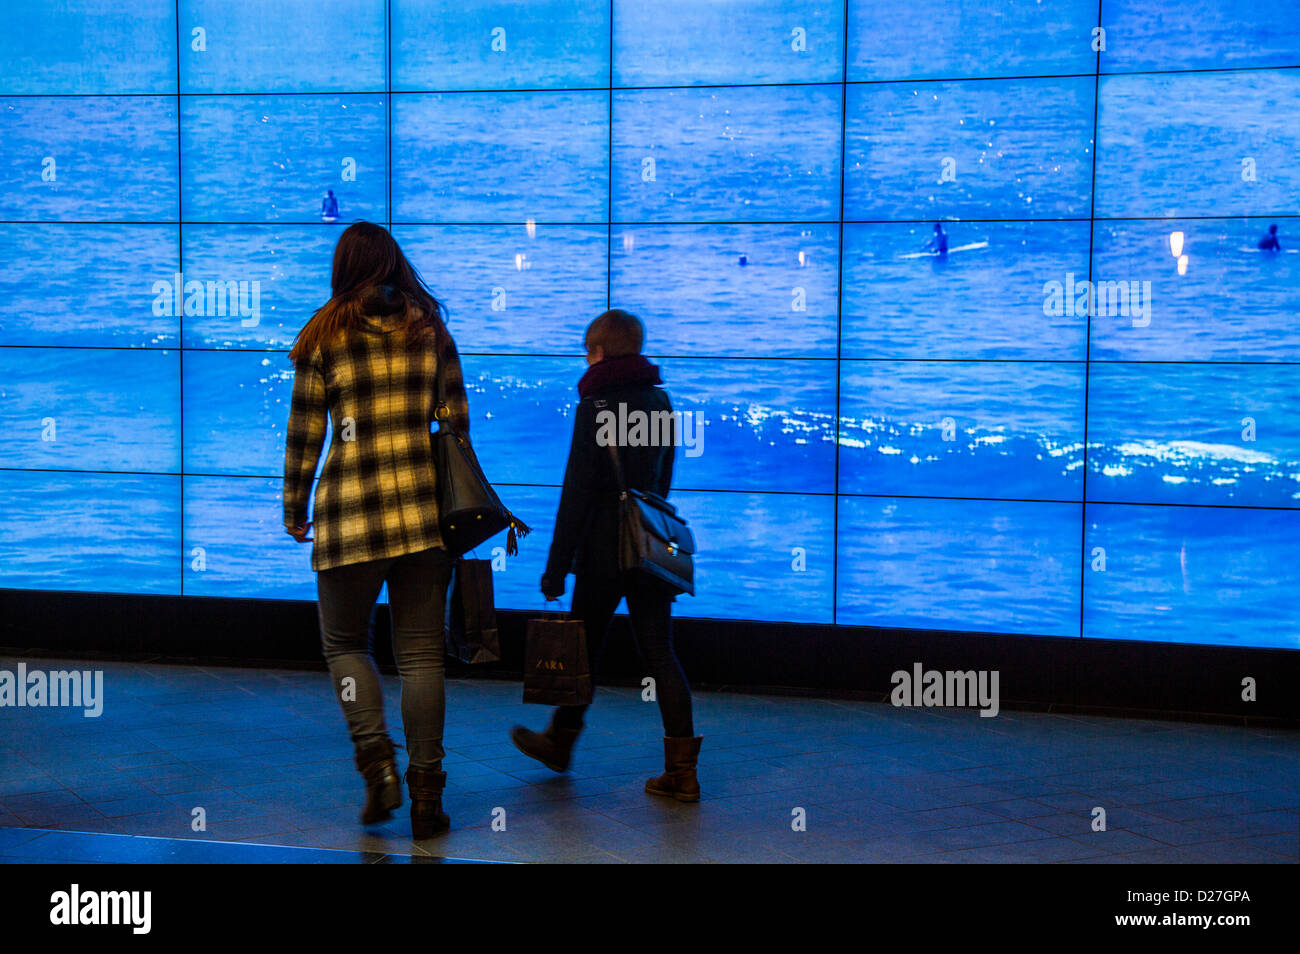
<point>471,625</point>
<point>555,663</point>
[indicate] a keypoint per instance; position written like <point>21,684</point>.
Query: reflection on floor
<point>41,846</point>
<point>264,755</point>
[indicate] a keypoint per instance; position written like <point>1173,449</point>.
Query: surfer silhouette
<point>938,243</point>
<point>1269,242</point>
<point>936,248</point>
<point>329,207</point>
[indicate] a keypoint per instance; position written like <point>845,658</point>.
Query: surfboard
<point>971,246</point>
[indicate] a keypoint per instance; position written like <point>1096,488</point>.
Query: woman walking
<point>619,383</point>
<point>370,359</point>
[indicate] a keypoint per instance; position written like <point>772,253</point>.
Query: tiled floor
<point>264,753</point>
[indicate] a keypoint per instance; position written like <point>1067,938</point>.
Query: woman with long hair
<point>369,359</point>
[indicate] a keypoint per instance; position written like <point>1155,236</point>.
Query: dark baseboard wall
<point>1105,677</point>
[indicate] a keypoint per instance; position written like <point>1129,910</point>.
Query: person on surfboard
<point>938,243</point>
<point>329,207</point>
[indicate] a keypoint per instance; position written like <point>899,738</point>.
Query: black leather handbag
<point>652,538</point>
<point>469,510</point>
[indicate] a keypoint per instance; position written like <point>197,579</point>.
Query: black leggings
<point>650,609</point>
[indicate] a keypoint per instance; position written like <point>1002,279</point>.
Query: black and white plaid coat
<point>377,494</point>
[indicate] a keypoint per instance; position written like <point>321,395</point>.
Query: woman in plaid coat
<point>369,360</point>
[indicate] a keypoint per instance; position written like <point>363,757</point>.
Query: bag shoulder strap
<point>618,470</point>
<point>442,414</point>
<point>440,391</point>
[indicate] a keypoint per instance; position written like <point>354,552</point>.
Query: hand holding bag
<point>652,538</point>
<point>556,672</point>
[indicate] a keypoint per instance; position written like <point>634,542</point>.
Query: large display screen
<point>990,308</point>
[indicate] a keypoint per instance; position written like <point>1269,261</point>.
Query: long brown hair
<point>367,256</point>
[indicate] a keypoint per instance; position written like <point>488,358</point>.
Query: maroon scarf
<point>628,370</point>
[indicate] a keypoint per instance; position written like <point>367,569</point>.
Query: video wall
<point>991,309</point>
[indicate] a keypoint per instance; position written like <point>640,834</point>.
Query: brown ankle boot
<point>678,780</point>
<point>427,817</point>
<point>378,764</point>
<point>553,748</point>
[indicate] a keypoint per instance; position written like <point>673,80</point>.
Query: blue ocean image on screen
<point>235,544</point>
<point>273,158</point>
<point>746,571</point>
<point>497,44</point>
<point>1009,567</point>
<point>1194,575</point>
<point>106,301</point>
<point>1194,434</point>
<point>920,428</point>
<point>945,39</point>
<point>988,149</point>
<point>736,290</point>
<point>765,154</point>
<point>236,406</point>
<point>518,585</point>
<point>96,533</point>
<point>1228,300</point>
<point>93,46</point>
<point>984,299</point>
<point>1216,144</point>
<point>501,157</point>
<point>88,159</point>
<point>513,288</point>
<point>281,275</point>
<point>760,183</point>
<point>339,46</point>
<point>90,409</point>
<point>1200,35</point>
<point>688,43</point>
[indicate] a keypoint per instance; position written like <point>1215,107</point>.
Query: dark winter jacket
<point>586,524</point>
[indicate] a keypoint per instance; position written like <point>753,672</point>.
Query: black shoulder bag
<point>652,538</point>
<point>469,510</point>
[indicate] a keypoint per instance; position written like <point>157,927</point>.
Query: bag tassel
<point>512,540</point>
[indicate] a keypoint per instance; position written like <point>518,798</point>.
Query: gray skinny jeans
<point>417,593</point>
